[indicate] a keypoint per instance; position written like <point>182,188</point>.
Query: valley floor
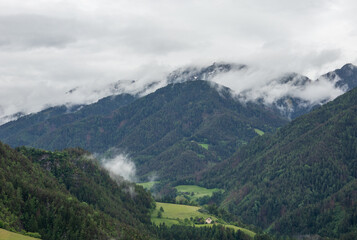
<point>179,214</point>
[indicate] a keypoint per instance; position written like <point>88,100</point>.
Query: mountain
<point>175,131</point>
<point>345,78</point>
<point>194,73</point>
<point>301,179</point>
<point>29,128</point>
<point>12,117</point>
<point>65,195</point>
<point>287,103</point>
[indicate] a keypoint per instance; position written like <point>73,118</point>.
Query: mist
<point>121,165</point>
<point>268,86</point>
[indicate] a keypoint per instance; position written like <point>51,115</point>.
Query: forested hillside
<point>176,131</point>
<point>300,180</point>
<point>28,129</point>
<point>63,195</point>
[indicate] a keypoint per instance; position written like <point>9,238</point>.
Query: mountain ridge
<point>57,195</point>
<point>167,125</point>
<point>285,181</point>
<point>287,105</point>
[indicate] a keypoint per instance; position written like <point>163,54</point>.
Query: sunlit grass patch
<point>7,235</point>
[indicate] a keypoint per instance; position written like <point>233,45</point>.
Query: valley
<point>196,152</point>
<point>178,120</point>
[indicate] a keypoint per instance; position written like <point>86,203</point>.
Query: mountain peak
<point>345,78</point>
<point>192,73</point>
<point>294,79</point>
<point>348,66</point>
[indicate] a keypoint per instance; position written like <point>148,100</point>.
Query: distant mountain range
<point>287,104</point>
<point>187,119</point>
<point>164,132</point>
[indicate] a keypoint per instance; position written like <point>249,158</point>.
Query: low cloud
<point>121,165</point>
<point>269,85</point>
<point>50,47</point>
<point>81,86</point>
<point>319,91</point>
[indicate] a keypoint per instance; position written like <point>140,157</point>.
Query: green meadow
<point>204,145</point>
<point>6,235</point>
<point>197,191</point>
<point>147,185</point>
<point>259,132</point>
<point>176,213</point>
<point>246,231</point>
<point>182,214</point>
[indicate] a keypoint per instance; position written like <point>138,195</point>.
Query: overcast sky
<point>48,47</point>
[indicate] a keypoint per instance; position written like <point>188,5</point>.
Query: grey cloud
<point>324,57</point>
<point>48,48</point>
<point>257,83</point>
<point>29,31</point>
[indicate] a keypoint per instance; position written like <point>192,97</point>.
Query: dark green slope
<point>165,130</point>
<point>63,195</point>
<point>84,179</point>
<point>28,129</point>
<point>284,181</point>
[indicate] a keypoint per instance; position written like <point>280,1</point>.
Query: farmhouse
<point>208,221</point>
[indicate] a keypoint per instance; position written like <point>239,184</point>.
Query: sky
<point>49,47</point>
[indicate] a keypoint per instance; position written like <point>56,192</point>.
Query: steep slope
<point>175,131</point>
<point>300,180</point>
<point>61,196</point>
<point>29,128</point>
<point>84,179</point>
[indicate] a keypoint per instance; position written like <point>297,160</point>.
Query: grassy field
<point>246,231</point>
<point>259,132</point>
<point>168,222</point>
<point>204,145</point>
<point>174,211</point>
<point>176,214</point>
<point>6,235</point>
<point>196,190</point>
<point>148,185</point>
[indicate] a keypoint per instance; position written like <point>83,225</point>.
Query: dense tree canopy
<point>300,180</point>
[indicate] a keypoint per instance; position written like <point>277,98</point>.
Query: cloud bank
<point>266,85</point>
<point>49,47</point>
